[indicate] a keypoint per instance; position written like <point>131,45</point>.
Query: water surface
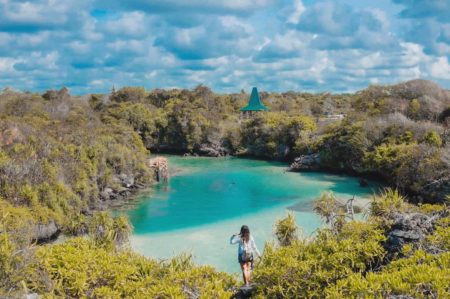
<point>208,199</point>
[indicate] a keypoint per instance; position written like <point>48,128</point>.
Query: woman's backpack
<point>247,254</point>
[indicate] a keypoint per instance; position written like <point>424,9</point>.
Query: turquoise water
<point>208,199</point>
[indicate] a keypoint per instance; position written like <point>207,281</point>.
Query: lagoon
<point>208,199</point>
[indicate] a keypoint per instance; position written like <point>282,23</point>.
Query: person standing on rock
<point>246,251</point>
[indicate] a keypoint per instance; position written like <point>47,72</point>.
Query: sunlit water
<point>208,199</point>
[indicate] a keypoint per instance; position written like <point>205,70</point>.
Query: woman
<point>247,248</point>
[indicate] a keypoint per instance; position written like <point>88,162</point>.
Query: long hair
<point>245,233</point>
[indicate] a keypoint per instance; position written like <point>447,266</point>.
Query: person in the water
<point>246,251</point>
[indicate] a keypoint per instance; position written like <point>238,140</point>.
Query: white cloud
<point>7,65</point>
<point>130,23</point>
<point>299,9</point>
<point>440,68</point>
<point>228,45</point>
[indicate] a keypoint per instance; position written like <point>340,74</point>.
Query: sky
<point>301,45</point>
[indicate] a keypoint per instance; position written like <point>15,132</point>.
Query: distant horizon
<point>300,45</point>
<point>246,91</point>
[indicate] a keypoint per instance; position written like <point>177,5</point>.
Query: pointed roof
<point>254,103</point>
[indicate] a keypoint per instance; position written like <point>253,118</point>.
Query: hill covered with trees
<point>64,158</point>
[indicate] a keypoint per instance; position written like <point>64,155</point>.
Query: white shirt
<point>242,244</point>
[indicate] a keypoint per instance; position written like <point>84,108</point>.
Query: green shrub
<point>386,205</point>
<point>420,276</point>
<point>78,268</point>
<point>329,208</point>
<point>432,138</point>
<point>306,269</point>
<point>286,230</point>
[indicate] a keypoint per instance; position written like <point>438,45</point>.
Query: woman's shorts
<point>241,261</point>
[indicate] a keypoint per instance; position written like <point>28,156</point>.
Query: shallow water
<point>208,199</point>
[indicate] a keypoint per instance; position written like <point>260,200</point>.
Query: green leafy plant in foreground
<point>421,276</point>
<point>79,268</point>
<point>306,269</point>
<point>286,230</point>
<point>351,262</point>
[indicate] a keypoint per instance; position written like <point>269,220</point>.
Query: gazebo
<point>254,104</point>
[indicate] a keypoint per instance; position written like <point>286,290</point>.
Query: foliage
<point>351,262</point>
<point>306,269</point>
<point>328,207</point>
<point>109,232</point>
<point>343,146</point>
<point>79,268</point>
<point>57,162</point>
<point>432,138</point>
<point>286,230</point>
<point>275,135</point>
<point>386,204</point>
<point>440,239</point>
<point>60,157</point>
<point>420,276</point>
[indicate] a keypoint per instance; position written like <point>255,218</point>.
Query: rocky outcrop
<point>126,185</point>
<point>212,151</point>
<point>45,232</point>
<point>306,162</point>
<point>161,167</point>
<point>409,228</point>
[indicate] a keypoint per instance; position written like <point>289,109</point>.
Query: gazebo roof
<point>254,103</point>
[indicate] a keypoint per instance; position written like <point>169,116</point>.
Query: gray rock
<point>306,162</point>
<point>212,150</point>
<point>410,235</point>
<point>106,193</point>
<point>127,180</point>
<point>46,231</point>
<point>408,228</point>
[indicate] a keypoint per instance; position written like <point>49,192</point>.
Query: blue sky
<point>302,45</point>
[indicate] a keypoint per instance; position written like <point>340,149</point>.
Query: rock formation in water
<point>306,162</point>
<point>161,168</point>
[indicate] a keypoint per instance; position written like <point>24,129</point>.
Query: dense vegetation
<point>57,157</point>
<point>353,260</point>
<point>396,133</point>
<point>63,158</point>
<point>101,266</point>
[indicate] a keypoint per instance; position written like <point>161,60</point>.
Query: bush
<point>286,230</point>
<point>419,276</point>
<point>78,268</point>
<point>329,208</point>
<point>306,269</point>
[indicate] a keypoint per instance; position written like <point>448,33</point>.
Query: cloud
<point>337,19</point>
<point>430,24</point>
<point>228,45</point>
<point>295,11</point>
<point>440,68</point>
<point>25,16</point>
<point>337,25</point>
<point>217,37</point>
<point>193,6</point>
<point>419,9</point>
<point>128,24</point>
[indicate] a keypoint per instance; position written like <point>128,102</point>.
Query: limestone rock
<point>212,150</point>
<point>127,180</point>
<point>306,162</point>
<point>408,228</point>
<point>46,231</point>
